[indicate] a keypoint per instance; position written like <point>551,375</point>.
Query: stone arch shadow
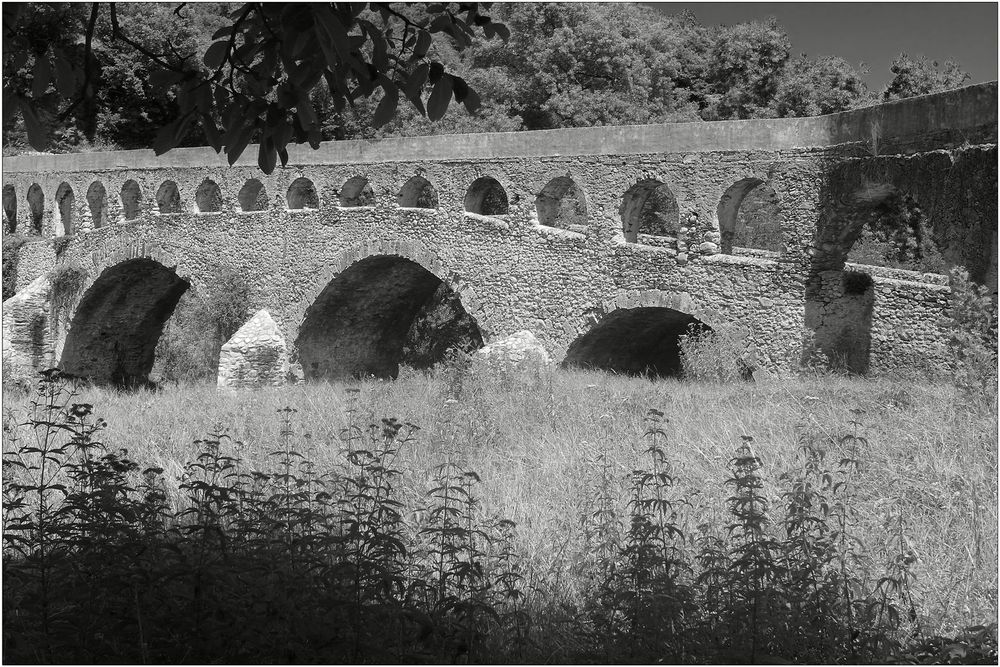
<point>638,333</point>
<point>840,300</point>
<point>383,305</point>
<point>121,312</point>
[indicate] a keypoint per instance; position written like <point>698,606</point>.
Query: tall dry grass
<point>539,440</point>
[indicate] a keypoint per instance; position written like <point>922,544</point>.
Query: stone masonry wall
<point>510,272</point>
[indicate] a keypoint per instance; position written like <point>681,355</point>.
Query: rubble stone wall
<point>510,272</point>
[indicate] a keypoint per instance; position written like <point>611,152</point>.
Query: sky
<point>873,33</point>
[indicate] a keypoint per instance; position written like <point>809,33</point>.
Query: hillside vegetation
<point>564,65</point>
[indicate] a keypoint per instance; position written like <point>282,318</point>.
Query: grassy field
<point>542,442</point>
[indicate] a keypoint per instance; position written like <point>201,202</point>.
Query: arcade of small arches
<point>749,213</point>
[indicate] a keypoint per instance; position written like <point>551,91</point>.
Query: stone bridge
<point>606,243</point>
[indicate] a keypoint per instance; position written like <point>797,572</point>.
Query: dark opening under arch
<point>114,331</point>
<point>131,197</point>
<point>36,206</point>
<point>302,195</point>
<point>649,207</point>
<point>381,312</point>
<point>417,193</point>
<point>357,192</point>
<point>168,198</point>
<point>253,196</point>
<point>750,217</point>
<point>634,341</point>
<point>561,203</point>
<point>486,197</point>
<point>208,197</point>
<point>65,202</point>
<point>97,200</point>
<point>10,208</point>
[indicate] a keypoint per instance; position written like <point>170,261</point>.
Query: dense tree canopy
<point>118,75</point>
<point>920,76</point>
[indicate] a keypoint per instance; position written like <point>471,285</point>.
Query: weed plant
<point>368,540</point>
<point>288,564</point>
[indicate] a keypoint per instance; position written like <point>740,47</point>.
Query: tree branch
<point>116,34</point>
<point>85,89</point>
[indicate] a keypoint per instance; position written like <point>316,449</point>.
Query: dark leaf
<point>212,134</point>
<point>501,30</point>
<point>65,79</point>
<point>334,30</point>
<point>472,101</point>
<point>315,138</point>
<point>170,135</point>
<point>460,88</point>
<point>37,136</point>
<point>236,146</point>
<point>281,132</point>
<point>305,112</point>
<point>42,74</point>
<point>423,44</point>
<point>387,107</point>
<point>266,156</point>
<point>215,55</point>
<point>415,82</point>
<point>10,107</point>
<point>435,73</point>
<point>437,104</point>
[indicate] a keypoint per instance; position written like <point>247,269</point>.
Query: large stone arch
<point>118,320</point>
<point>364,308</point>
<point>637,333</point>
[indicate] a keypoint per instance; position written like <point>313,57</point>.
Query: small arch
<point>131,198</point>
<point>97,200</point>
<point>356,192</point>
<point>208,197</point>
<point>749,217</point>
<point>649,207</point>
<point>65,199</point>
<point>302,194</point>
<point>10,208</point>
<point>36,206</point>
<point>486,197</point>
<point>168,199</point>
<point>252,196</point>
<point>561,203</point>
<point>417,193</point>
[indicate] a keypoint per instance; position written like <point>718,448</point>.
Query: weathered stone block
<point>25,327</point>
<point>256,355</point>
<point>517,349</point>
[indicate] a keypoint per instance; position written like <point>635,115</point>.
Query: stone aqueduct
<point>346,244</point>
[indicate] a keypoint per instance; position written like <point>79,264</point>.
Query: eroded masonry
<point>607,244</point>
